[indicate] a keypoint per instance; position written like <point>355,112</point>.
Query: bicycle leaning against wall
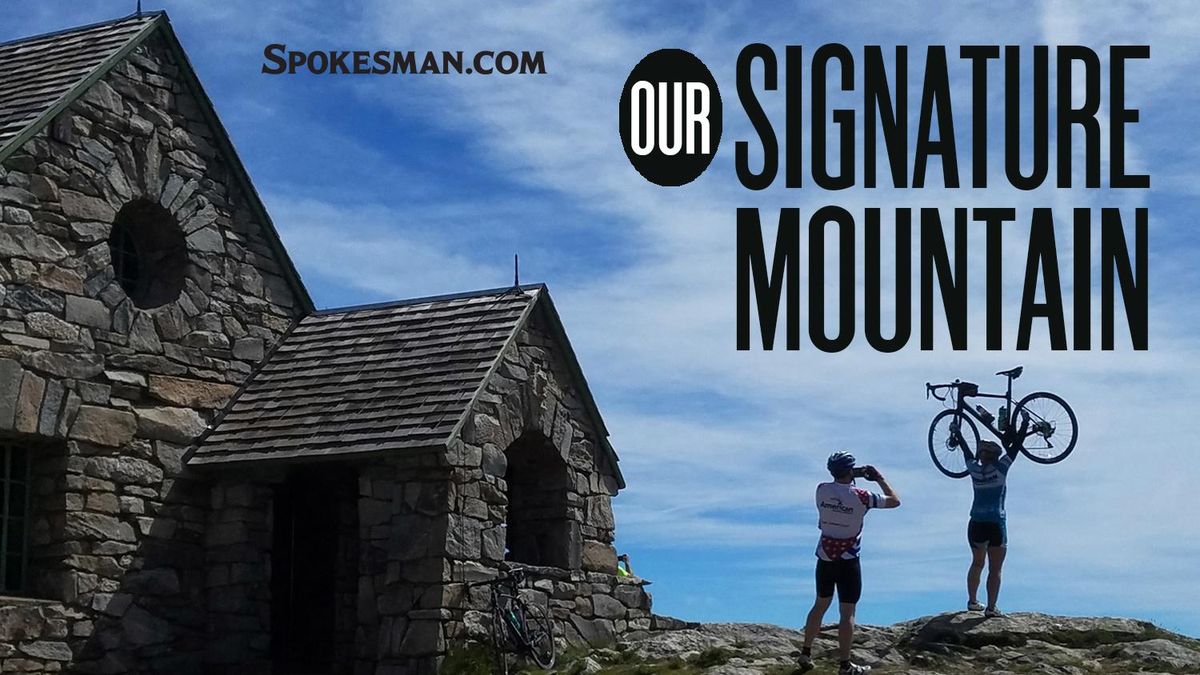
<point>1050,437</point>
<point>518,628</point>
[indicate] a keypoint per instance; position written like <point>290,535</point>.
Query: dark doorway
<point>304,570</point>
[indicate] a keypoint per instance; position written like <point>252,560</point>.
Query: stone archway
<point>539,527</point>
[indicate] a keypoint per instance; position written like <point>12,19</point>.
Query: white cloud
<point>717,444</point>
<point>662,330</point>
<point>359,247</point>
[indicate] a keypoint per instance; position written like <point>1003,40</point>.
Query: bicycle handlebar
<point>933,389</point>
<point>515,576</point>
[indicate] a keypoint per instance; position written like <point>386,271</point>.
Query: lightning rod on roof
<point>516,270</point>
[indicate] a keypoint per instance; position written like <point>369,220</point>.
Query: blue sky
<point>388,187</point>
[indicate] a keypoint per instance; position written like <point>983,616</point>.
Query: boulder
<point>190,393</point>
<point>607,607</point>
<point>19,623</point>
<point>78,206</point>
<point>631,595</point>
<point>33,298</point>
<point>98,526</point>
<point>595,632</point>
<point>11,375</point>
<point>47,650</point>
<point>103,426</point>
<point>29,403</point>
<point>20,241</point>
<point>206,240</point>
<point>175,425</point>
<point>124,470</point>
<point>249,349</point>
<point>1162,654</point>
<point>43,324</point>
<point>88,312</point>
<point>75,366</point>
<point>974,630</point>
<point>599,557</point>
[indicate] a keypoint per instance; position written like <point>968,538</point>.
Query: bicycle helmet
<point>989,447</point>
<point>840,463</point>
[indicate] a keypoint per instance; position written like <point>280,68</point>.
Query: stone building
<point>202,473</point>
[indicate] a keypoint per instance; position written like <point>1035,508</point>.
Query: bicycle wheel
<point>1053,429</point>
<point>944,443</point>
<point>539,635</point>
<point>503,642</point>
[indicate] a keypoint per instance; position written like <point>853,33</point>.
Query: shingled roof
<point>41,76</point>
<point>386,377</point>
<point>38,72</point>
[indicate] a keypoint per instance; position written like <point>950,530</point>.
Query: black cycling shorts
<point>845,575</point>
<point>982,533</point>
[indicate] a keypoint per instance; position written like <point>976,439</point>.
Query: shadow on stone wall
<point>155,619</point>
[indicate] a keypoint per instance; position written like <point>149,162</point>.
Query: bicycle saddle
<point>1014,373</point>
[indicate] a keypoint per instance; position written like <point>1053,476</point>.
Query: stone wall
<point>389,581</point>
<point>144,566</point>
<point>238,542</point>
<point>532,394</point>
<point>405,528</point>
<point>591,608</point>
<point>120,391</point>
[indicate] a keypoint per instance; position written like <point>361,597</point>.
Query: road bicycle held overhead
<point>518,627</point>
<point>1050,434</point>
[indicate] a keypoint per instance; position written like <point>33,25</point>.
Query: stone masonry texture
<point>143,563</point>
<point>115,394</point>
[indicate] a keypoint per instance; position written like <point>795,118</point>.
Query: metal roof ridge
<point>77,89</point>
<point>80,29</point>
<point>388,304</point>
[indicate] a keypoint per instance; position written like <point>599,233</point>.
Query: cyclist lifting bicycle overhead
<point>987,532</point>
<point>1045,432</point>
<point>842,507</point>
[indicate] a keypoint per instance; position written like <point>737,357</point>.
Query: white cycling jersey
<point>841,508</point>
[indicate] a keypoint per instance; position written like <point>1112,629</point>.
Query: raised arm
<point>1013,442</point>
<point>962,445</point>
<point>890,499</point>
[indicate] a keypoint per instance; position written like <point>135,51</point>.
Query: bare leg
<point>978,554</point>
<point>846,629</point>
<point>813,625</point>
<point>995,556</point>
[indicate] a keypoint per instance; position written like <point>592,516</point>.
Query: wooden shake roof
<point>377,378</point>
<point>38,72</point>
<point>385,377</point>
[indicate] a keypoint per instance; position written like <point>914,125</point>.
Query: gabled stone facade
<point>527,463</point>
<point>146,554</point>
<point>532,412</point>
<point>109,396</point>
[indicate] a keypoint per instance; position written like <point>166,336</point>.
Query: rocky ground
<point>948,643</point>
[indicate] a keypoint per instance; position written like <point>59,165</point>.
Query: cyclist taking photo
<point>841,508</point>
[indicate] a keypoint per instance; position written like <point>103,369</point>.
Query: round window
<point>149,253</point>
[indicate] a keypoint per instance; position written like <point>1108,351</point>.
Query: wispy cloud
<point>658,335</point>
<point>416,186</point>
